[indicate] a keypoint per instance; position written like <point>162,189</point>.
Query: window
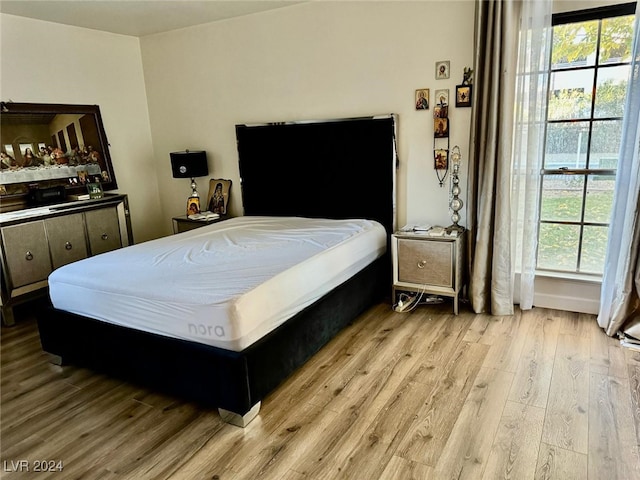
<point>590,64</point>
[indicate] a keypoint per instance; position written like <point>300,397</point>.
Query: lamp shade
<point>189,164</point>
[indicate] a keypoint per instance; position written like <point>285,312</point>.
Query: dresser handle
<point>29,256</point>
<point>422,263</point>
<point>68,246</point>
<point>104,236</point>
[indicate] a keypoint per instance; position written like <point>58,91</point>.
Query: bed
<point>341,171</point>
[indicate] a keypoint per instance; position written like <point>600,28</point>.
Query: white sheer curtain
<point>534,52</point>
<point>619,302</point>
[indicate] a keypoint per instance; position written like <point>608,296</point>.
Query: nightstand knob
<point>68,246</point>
<point>105,236</point>
<point>29,255</point>
<point>422,263</point>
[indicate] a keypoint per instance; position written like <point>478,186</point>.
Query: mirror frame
<point>13,113</point>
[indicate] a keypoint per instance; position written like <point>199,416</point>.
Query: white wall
<point>43,62</point>
<point>309,61</point>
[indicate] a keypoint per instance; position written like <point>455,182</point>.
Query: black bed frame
<point>236,382</point>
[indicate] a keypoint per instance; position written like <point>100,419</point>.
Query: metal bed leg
<point>237,419</point>
<point>55,359</point>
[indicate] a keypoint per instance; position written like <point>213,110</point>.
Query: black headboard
<point>330,169</point>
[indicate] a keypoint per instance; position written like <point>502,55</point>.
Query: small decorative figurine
<point>466,76</point>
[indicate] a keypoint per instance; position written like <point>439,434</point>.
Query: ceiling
<point>137,17</point>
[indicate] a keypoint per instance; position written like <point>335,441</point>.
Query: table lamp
<point>190,164</point>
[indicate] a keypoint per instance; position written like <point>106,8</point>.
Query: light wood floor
<point>421,395</point>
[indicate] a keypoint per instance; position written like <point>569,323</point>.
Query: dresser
<point>430,265</point>
<point>36,241</point>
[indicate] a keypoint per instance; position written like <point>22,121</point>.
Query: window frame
<point>599,13</point>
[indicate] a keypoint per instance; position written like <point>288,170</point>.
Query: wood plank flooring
<point>542,394</point>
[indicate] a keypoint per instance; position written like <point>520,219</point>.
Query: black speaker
<point>189,164</point>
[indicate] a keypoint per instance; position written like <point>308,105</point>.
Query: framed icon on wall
<point>442,69</point>
<point>422,99</point>
<point>463,95</point>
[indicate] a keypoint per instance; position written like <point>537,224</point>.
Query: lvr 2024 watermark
<point>32,465</point>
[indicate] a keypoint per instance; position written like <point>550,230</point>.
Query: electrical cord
<point>407,303</point>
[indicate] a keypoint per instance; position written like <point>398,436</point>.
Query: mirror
<point>52,145</point>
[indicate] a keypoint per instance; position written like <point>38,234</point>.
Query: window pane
<point>574,44</point>
<point>570,94</point>
<point>594,247</point>
<point>562,197</point>
<point>566,145</point>
<point>605,143</point>
<point>558,247</point>
<point>599,199</point>
<point>611,91</point>
<point>616,39</point>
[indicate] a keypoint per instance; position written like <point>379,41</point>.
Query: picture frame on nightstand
<point>193,205</point>
<point>218,197</point>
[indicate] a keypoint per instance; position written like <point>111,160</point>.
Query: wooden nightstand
<point>184,224</point>
<point>427,264</point>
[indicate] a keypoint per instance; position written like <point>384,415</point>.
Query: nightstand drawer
<point>185,227</point>
<point>184,223</point>
<point>425,262</point>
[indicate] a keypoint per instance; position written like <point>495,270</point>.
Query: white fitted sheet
<point>226,284</point>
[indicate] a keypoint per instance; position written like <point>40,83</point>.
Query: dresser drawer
<point>425,262</point>
<point>66,238</point>
<point>26,253</point>
<point>103,230</point>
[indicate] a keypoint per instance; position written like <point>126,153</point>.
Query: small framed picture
<point>218,197</point>
<point>422,99</point>
<point>193,205</point>
<point>440,111</point>
<point>442,69</point>
<point>463,95</point>
<point>442,97</point>
<point>94,190</point>
<point>441,127</point>
<point>441,159</point>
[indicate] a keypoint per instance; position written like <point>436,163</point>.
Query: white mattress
<point>226,284</point>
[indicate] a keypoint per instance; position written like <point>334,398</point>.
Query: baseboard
<point>570,304</point>
<point>569,294</point>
